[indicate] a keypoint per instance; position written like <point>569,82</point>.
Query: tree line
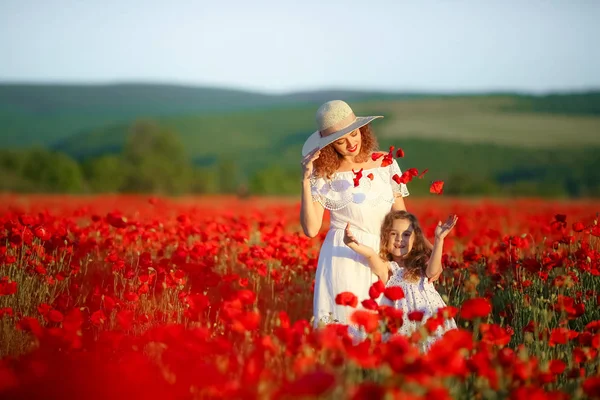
<point>154,160</point>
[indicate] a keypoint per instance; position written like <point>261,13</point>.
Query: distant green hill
<point>35,114</point>
<point>475,139</point>
<point>240,134</point>
<point>44,114</point>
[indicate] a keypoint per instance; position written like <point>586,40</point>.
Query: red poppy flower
<point>312,384</point>
<point>26,220</point>
<point>98,318</point>
<point>495,334</point>
<point>346,299</point>
<point>416,316</point>
<point>369,304</point>
<point>116,219</point>
<point>7,287</point>
<point>591,386</point>
<point>394,293</point>
<point>399,153</point>
<point>367,319</point>
<point>376,289</point>
<point>561,336</point>
<point>593,326</point>
<point>475,308</point>
<point>557,367</point>
<point>578,226</point>
<point>436,187</point>
<point>41,233</point>
<point>246,296</point>
<point>55,316</point>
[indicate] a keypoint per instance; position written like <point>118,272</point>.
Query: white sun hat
<point>334,120</point>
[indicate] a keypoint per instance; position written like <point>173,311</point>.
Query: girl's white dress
<point>418,296</point>
<point>339,268</point>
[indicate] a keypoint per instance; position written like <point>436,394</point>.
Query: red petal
<point>387,161</point>
<point>376,156</point>
<point>399,153</point>
<point>436,187</point>
<point>413,171</point>
<point>357,177</point>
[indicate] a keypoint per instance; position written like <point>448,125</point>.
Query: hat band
<point>339,126</point>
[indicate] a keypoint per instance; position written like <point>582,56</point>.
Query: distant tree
<point>275,181</point>
<point>204,180</point>
<point>104,174</point>
<point>52,171</point>
<point>155,161</point>
<point>228,175</point>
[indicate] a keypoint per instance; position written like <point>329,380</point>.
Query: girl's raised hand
<point>442,230</point>
<point>349,237</point>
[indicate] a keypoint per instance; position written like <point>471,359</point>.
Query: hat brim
<point>316,142</point>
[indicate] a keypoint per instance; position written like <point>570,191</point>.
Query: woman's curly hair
<point>330,160</point>
<point>415,262</point>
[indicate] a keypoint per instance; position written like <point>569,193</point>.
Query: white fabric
<point>418,296</point>
<point>339,268</point>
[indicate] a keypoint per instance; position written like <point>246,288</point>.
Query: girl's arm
<point>377,265</point>
<point>311,213</point>
<point>434,267</point>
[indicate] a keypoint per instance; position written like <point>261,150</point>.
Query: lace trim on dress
<point>338,192</point>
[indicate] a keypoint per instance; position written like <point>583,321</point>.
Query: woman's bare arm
<point>311,212</point>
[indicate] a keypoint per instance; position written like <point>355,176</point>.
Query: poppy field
<point>203,298</point>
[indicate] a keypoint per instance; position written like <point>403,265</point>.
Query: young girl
<point>404,260</point>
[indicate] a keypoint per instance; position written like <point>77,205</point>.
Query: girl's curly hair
<point>329,160</point>
<point>415,262</point>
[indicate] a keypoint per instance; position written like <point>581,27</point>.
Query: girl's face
<point>401,238</point>
<point>349,144</point>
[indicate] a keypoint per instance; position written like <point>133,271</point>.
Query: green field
<point>507,139</point>
<point>468,120</point>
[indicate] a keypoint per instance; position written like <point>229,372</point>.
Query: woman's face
<point>401,238</point>
<point>349,144</point>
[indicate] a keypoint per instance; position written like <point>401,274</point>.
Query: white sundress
<point>418,296</point>
<point>339,268</point>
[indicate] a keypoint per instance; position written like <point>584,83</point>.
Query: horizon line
<point>349,88</point>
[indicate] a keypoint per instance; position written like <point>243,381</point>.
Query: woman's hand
<point>349,238</point>
<point>307,163</point>
<point>442,230</point>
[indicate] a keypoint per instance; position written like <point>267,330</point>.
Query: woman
<point>341,174</point>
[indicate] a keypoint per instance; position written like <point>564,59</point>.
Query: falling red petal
<point>357,176</point>
<point>437,187</point>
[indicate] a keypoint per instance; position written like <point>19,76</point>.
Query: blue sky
<point>279,45</point>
